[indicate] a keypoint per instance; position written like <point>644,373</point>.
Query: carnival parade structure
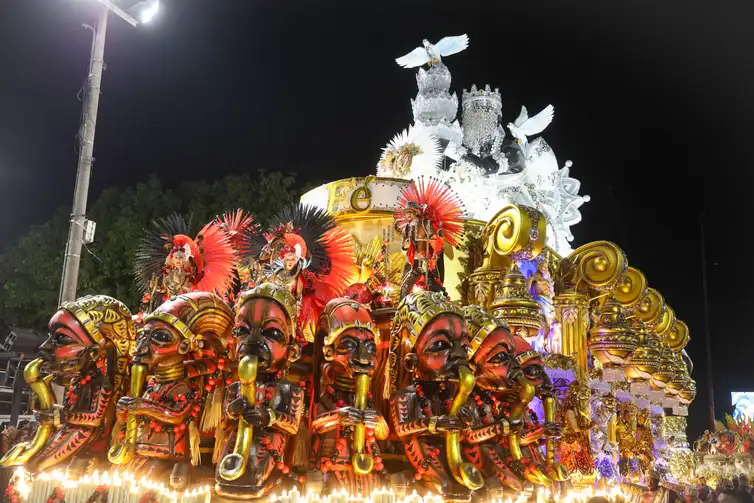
<point>428,333</point>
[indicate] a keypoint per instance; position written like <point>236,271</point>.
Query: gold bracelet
<point>273,417</point>
<point>432,426</point>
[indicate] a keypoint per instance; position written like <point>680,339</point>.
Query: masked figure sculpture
<point>169,262</point>
<point>431,382</point>
<point>492,355</point>
<point>263,409</point>
<point>305,252</point>
<point>526,431</point>
<point>345,421</point>
<point>181,344</point>
<point>428,216</point>
<point>88,350</point>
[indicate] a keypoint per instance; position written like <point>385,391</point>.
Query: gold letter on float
<point>361,198</point>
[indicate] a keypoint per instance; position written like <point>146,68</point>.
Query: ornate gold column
<point>591,270</point>
<point>572,313</point>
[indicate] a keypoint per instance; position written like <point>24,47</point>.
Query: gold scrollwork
<point>666,322</point>
<point>515,232</point>
<point>650,309</point>
<point>600,266</point>
<point>678,336</point>
<point>632,289</point>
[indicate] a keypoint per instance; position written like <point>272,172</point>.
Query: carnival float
<point>427,333</point>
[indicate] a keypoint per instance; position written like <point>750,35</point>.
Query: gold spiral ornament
<point>602,264</point>
<point>517,232</point>
<point>465,473</point>
<point>632,289</point>
<point>233,465</point>
<point>666,322</point>
<point>650,308</point>
<point>24,451</point>
<point>678,336</point>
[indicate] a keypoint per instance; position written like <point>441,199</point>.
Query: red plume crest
<point>434,202</point>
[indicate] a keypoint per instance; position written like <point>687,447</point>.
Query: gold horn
<point>233,465</point>
<point>554,470</point>
<point>122,453</point>
<point>21,453</point>
<point>465,473</point>
<point>526,395</point>
<point>362,462</point>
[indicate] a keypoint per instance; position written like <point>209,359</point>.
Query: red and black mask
<point>440,349</point>
<point>532,366</point>
<point>353,352</point>
<point>263,329</point>
<point>495,362</point>
<point>160,345</point>
<point>69,348</point>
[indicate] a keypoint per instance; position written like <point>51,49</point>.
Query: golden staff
<point>122,453</point>
<point>23,452</point>
<point>233,465</point>
<point>465,473</point>
<point>362,462</point>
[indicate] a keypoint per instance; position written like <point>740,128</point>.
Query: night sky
<point>652,103</point>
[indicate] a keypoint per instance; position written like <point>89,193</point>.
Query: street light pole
<point>72,258</point>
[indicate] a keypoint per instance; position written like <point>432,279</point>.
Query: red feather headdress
<point>209,259</point>
<point>435,203</point>
<point>328,255</point>
<point>240,227</point>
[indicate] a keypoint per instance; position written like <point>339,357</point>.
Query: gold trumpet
<point>233,465</point>
<point>465,473</point>
<point>122,453</point>
<point>362,462</point>
<point>526,395</point>
<point>554,470</point>
<point>21,453</point>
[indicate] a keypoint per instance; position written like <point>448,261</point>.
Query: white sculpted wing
<point>539,122</point>
<point>415,58</point>
<point>452,45</point>
<point>522,117</point>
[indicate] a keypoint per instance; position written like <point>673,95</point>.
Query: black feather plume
<point>155,247</point>
<point>309,222</point>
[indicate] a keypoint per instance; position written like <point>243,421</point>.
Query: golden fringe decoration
<point>220,437</point>
<point>301,447</point>
<point>213,410</point>
<point>196,455</point>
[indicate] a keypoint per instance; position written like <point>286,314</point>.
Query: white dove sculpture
<point>431,53</point>
<point>525,126</point>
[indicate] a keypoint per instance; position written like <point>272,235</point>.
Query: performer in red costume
<point>429,215</point>
<point>304,251</point>
<point>169,262</point>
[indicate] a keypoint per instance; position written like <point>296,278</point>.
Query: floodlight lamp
<point>148,10</point>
